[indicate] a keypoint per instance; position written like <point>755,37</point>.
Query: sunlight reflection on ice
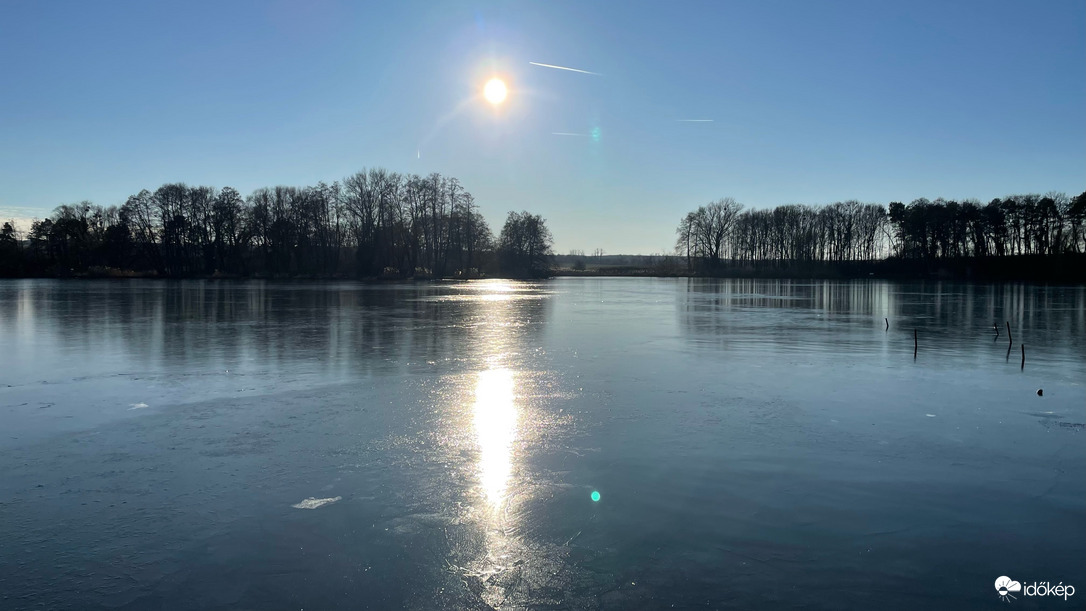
<point>495,429</point>
<point>490,291</point>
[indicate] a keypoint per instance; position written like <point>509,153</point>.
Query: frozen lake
<point>751,444</point>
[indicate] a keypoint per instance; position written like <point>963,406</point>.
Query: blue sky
<point>811,102</point>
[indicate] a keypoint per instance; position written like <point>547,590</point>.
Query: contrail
<point>694,120</point>
<point>564,68</point>
<point>568,134</point>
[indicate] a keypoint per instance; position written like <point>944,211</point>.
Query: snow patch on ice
<point>313,503</point>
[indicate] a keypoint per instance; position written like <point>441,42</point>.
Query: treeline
<point>722,234</point>
<point>1017,225</point>
<point>374,223</point>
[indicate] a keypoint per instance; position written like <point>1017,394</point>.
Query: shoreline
<point>1069,268</point>
<point>1069,281</point>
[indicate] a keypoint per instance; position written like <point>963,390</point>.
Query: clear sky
<point>810,102</point>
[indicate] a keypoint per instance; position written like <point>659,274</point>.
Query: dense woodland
<point>721,235</point>
<point>374,224</point>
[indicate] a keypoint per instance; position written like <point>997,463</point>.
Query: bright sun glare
<point>495,91</point>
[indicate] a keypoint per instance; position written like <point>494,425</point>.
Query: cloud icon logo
<point>1005,585</point>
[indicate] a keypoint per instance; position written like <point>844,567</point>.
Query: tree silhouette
<point>524,247</point>
<point>851,231</point>
<point>378,223</point>
<point>375,223</point>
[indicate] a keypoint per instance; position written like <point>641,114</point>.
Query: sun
<point>495,91</point>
